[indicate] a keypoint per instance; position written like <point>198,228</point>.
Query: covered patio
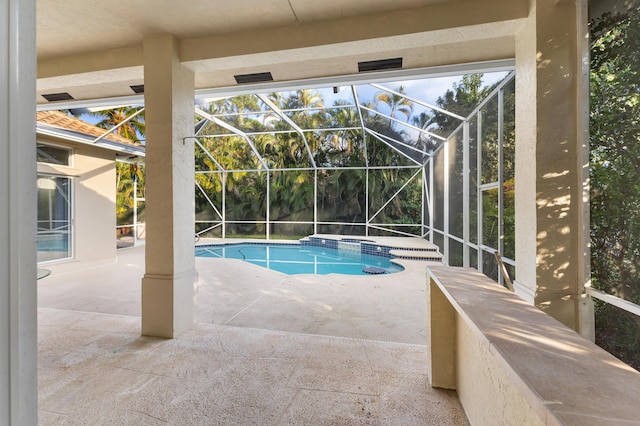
<point>268,348</point>
<point>73,348</point>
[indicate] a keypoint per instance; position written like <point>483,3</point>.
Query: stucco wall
<point>516,365</point>
<point>94,197</point>
<point>486,393</point>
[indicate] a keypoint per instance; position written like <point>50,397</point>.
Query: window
<point>54,218</point>
<point>53,155</point>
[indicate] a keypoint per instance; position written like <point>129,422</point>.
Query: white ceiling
<point>93,48</point>
<point>76,26</point>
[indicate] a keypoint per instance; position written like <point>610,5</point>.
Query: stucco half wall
<point>513,364</point>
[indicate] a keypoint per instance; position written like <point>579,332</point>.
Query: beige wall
<point>487,394</point>
<point>463,360</point>
<point>552,225</point>
<point>94,197</point>
<point>515,365</point>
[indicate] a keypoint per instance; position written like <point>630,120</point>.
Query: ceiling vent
<point>138,88</point>
<point>253,78</point>
<point>53,97</point>
<point>383,64</point>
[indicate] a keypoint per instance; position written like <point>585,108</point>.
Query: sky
<point>426,90</point>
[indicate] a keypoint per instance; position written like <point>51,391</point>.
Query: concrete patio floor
<point>268,349</point>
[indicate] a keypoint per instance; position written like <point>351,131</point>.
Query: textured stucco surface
<point>488,395</point>
<point>515,363</point>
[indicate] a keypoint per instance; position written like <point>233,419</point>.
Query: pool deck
<point>268,349</point>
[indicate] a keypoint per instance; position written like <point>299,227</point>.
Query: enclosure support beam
<point>423,202</point>
<point>268,215</point>
<point>445,200</point>
<point>479,198</point>
<point>431,198</point>
<point>169,285</point>
<point>501,278</point>
<point>466,261</point>
<point>315,201</point>
<point>224,204</point>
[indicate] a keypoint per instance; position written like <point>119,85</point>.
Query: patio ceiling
<point>93,49</point>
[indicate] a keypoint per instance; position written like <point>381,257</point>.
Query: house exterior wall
<point>93,173</point>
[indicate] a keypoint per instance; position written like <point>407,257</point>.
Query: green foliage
<point>615,154</point>
<point>125,175</point>
<point>109,118</point>
<point>615,175</point>
<point>462,99</point>
<point>618,332</point>
<point>340,193</point>
<point>396,103</point>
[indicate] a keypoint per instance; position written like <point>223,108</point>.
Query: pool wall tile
<point>318,242</point>
<point>368,248</point>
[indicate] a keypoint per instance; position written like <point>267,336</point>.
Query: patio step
<point>425,255</point>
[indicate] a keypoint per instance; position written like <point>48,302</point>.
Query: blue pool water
<point>296,259</point>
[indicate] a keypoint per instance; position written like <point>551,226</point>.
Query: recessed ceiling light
<point>253,78</point>
<point>383,64</point>
<point>52,97</point>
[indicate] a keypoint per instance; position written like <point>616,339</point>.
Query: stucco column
<point>18,319</point>
<point>169,286</point>
<point>552,227</point>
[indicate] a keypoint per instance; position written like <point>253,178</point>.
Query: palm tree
<point>133,129</point>
<point>396,102</point>
<point>304,98</point>
<point>344,147</point>
<point>424,120</point>
<point>126,173</point>
<point>310,113</point>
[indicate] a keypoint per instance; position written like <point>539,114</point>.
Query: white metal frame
<point>220,211</point>
<point>480,248</point>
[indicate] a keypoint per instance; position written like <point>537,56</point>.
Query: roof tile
<point>61,120</point>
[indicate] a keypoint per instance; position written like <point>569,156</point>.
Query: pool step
<point>380,247</point>
<point>424,255</point>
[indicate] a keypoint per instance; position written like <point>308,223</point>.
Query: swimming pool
<point>297,259</point>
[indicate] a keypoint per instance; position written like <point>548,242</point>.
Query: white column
<point>169,286</point>
<point>552,230</point>
<point>18,351</point>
